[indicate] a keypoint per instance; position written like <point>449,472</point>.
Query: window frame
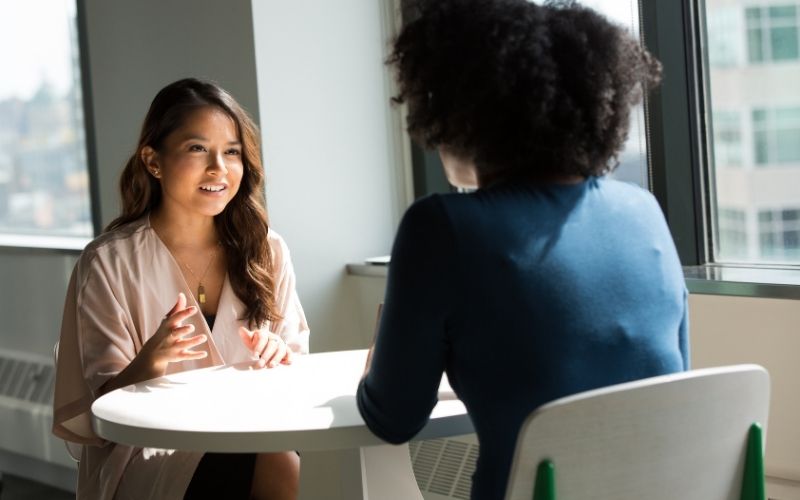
<point>682,159</point>
<point>72,244</point>
<point>677,133</point>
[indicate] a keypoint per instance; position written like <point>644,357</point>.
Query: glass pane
<point>728,138</point>
<point>761,148</point>
<point>755,35</point>
<point>633,166</point>
<point>784,43</point>
<point>787,135</point>
<point>785,13</point>
<point>787,146</point>
<point>762,91</point>
<point>44,184</point>
<point>791,240</point>
<point>753,14</point>
<point>726,46</point>
<point>755,45</point>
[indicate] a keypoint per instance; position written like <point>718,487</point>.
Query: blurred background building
<point>754,69</point>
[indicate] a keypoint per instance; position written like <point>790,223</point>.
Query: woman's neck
<point>184,232</point>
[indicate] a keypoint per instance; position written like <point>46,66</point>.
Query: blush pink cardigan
<point>122,286</point>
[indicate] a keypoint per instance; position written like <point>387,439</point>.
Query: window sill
<point>370,270</point>
<point>709,279</point>
<point>59,244</point>
<point>743,281</point>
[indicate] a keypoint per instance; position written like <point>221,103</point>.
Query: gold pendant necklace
<point>201,290</point>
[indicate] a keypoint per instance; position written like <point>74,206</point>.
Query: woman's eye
<point>234,152</point>
<point>196,148</point>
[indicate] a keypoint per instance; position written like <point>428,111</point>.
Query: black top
<point>523,295</point>
<point>210,320</point>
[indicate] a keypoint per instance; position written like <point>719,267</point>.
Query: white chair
<point>74,449</point>
<point>684,436</point>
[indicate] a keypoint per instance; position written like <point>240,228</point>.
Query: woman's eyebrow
<point>195,137</point>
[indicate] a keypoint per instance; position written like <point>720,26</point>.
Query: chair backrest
<point>73,449</point>
<point>680,436</point>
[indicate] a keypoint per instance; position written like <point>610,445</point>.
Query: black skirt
<point>222,475</point>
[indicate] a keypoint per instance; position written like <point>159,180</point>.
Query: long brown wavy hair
<point>242,227</point>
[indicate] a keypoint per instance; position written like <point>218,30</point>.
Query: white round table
<point>308,406</point>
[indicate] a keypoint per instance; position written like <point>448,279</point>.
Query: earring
<point>155,172</point>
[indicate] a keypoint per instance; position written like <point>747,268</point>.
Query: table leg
<point>369,473</point>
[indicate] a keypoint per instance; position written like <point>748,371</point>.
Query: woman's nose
<point>217,164</point>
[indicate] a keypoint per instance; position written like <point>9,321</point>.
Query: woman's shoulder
<point>623,189</point>
<point>124,239</point>
<point>278,248</point>
<point>432,207</point>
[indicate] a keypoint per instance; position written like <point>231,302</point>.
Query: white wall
<point>334,190</point>
<point>136,48</point>
<point>32,288</point>
<point>730,330</point>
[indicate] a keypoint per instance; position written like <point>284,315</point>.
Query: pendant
<point>201,294</point>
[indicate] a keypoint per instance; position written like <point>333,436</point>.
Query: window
<point>724,39</point>
<point>633,164</point>
<point>733,232</point>
<point>44,181</point>
<point>772,33</point>
<point>776,135</point>
<point>779,234</point>
<point>754,108</point>
<point>727,138</point>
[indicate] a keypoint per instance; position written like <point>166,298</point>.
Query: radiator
<point>444,467</point>
<point>26,413</point>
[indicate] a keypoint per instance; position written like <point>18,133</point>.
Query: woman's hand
<point>269,348</point>
<point>168,344</point>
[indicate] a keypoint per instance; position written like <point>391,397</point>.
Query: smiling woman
<point>193,234</point>
<point>199,168</point>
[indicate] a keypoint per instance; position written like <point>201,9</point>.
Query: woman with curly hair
<point>192,242</point>
<point>550,278</point>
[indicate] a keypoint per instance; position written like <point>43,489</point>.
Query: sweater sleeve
<point>398,393</point>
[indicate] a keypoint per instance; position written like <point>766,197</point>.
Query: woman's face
<point>200,164</point>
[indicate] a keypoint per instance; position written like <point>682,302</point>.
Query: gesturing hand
<point>168,344</point>
<point>268,347</point>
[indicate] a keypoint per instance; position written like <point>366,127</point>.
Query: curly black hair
<point>522,89</point>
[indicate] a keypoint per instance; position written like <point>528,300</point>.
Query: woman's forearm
<point>137,371</point>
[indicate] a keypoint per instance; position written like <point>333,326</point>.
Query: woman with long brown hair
<point>192,238</point>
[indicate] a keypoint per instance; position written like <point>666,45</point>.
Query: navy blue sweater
<point>522,295</point>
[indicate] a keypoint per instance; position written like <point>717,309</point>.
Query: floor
<point>17,488</point>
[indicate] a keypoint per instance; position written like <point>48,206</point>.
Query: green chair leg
<point>753,487</point>
<point>545,486</point>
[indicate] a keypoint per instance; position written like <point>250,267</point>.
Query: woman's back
<point>549,279</point>
<point>525,294</point>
